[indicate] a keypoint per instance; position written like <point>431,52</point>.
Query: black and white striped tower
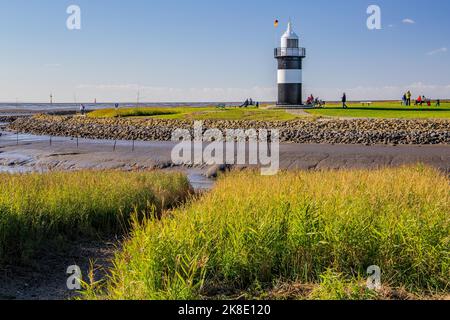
<point>290,57</point>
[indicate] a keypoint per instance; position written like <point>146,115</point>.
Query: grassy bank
<point>147,112</point>
<point>190,113</point>
<point>357,110</point>
<point>44,210</point>
<point>320,230</point>
<point>384,110</point>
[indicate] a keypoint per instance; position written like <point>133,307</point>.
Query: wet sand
<point>26,153</point>
<point>39,153</point>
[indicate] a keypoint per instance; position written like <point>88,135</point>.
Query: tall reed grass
<point>252,231</point>
<point>37,210</point>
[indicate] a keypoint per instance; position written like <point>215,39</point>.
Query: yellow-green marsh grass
<point>196,113</point>
<point>302,227</point>
<point>147,112</point>
<point>37,210</point>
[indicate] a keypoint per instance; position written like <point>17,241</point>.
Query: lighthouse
<point>289,57</point>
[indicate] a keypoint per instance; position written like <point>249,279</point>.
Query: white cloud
<point>408,21</point>
<point>128,92</point>
<point>109,86</point>
<point>437,51</point>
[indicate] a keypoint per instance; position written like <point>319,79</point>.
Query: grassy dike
<point>196,113</point>
<point>384,110</point>
<point>43,211</point>
<point>377,110</point>
<point>321,230</point>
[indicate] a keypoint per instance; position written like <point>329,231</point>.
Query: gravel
<point>329,131</point>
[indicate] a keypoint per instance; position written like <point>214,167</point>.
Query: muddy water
<point>25,152</point>
<point>21,153</point>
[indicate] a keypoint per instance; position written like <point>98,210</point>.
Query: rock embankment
<point>8,119</point>
<point>330,131</point>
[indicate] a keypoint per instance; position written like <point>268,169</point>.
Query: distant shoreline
<point>32,106</point>
<point>69,108</point>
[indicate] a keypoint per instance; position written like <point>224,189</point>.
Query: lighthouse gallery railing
<point>290,52</point>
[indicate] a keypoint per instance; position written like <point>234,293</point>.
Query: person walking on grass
<point>404,100</point>
<point>408,98</point>
<point>438,103</point>
<point>344,101</point>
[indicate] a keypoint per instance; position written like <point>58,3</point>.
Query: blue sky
<point>199,50</point>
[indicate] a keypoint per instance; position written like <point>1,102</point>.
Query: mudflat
<point>39,153</point>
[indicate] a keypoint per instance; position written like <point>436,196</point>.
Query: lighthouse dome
<point>290,34</point>
<point>289,38</point>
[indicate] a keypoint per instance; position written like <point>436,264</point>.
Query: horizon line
<point>193,102</point>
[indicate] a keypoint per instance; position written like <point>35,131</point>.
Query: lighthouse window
<point>292,43</point>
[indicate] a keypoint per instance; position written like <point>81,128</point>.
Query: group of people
<point>315,102</point>
<point>420,101</point>
<point>406,100</point>
<point>318,103</point>
<point>249,102</point>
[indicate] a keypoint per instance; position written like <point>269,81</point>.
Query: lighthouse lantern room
<point>289,57</point>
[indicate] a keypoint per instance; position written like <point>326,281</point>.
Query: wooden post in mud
<point>50,140</point>
<point>115,142</point>
<point>17,140</point>
<point>77,142</point>
<point>132,149</point>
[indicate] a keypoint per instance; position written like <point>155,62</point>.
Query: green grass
<point>42,210</point>
<point>384,110</point>
<point>245,114</point>
<point>160,113</point>
<point>377,110</point>
<point>317,228</point>
<point>192,113</point>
